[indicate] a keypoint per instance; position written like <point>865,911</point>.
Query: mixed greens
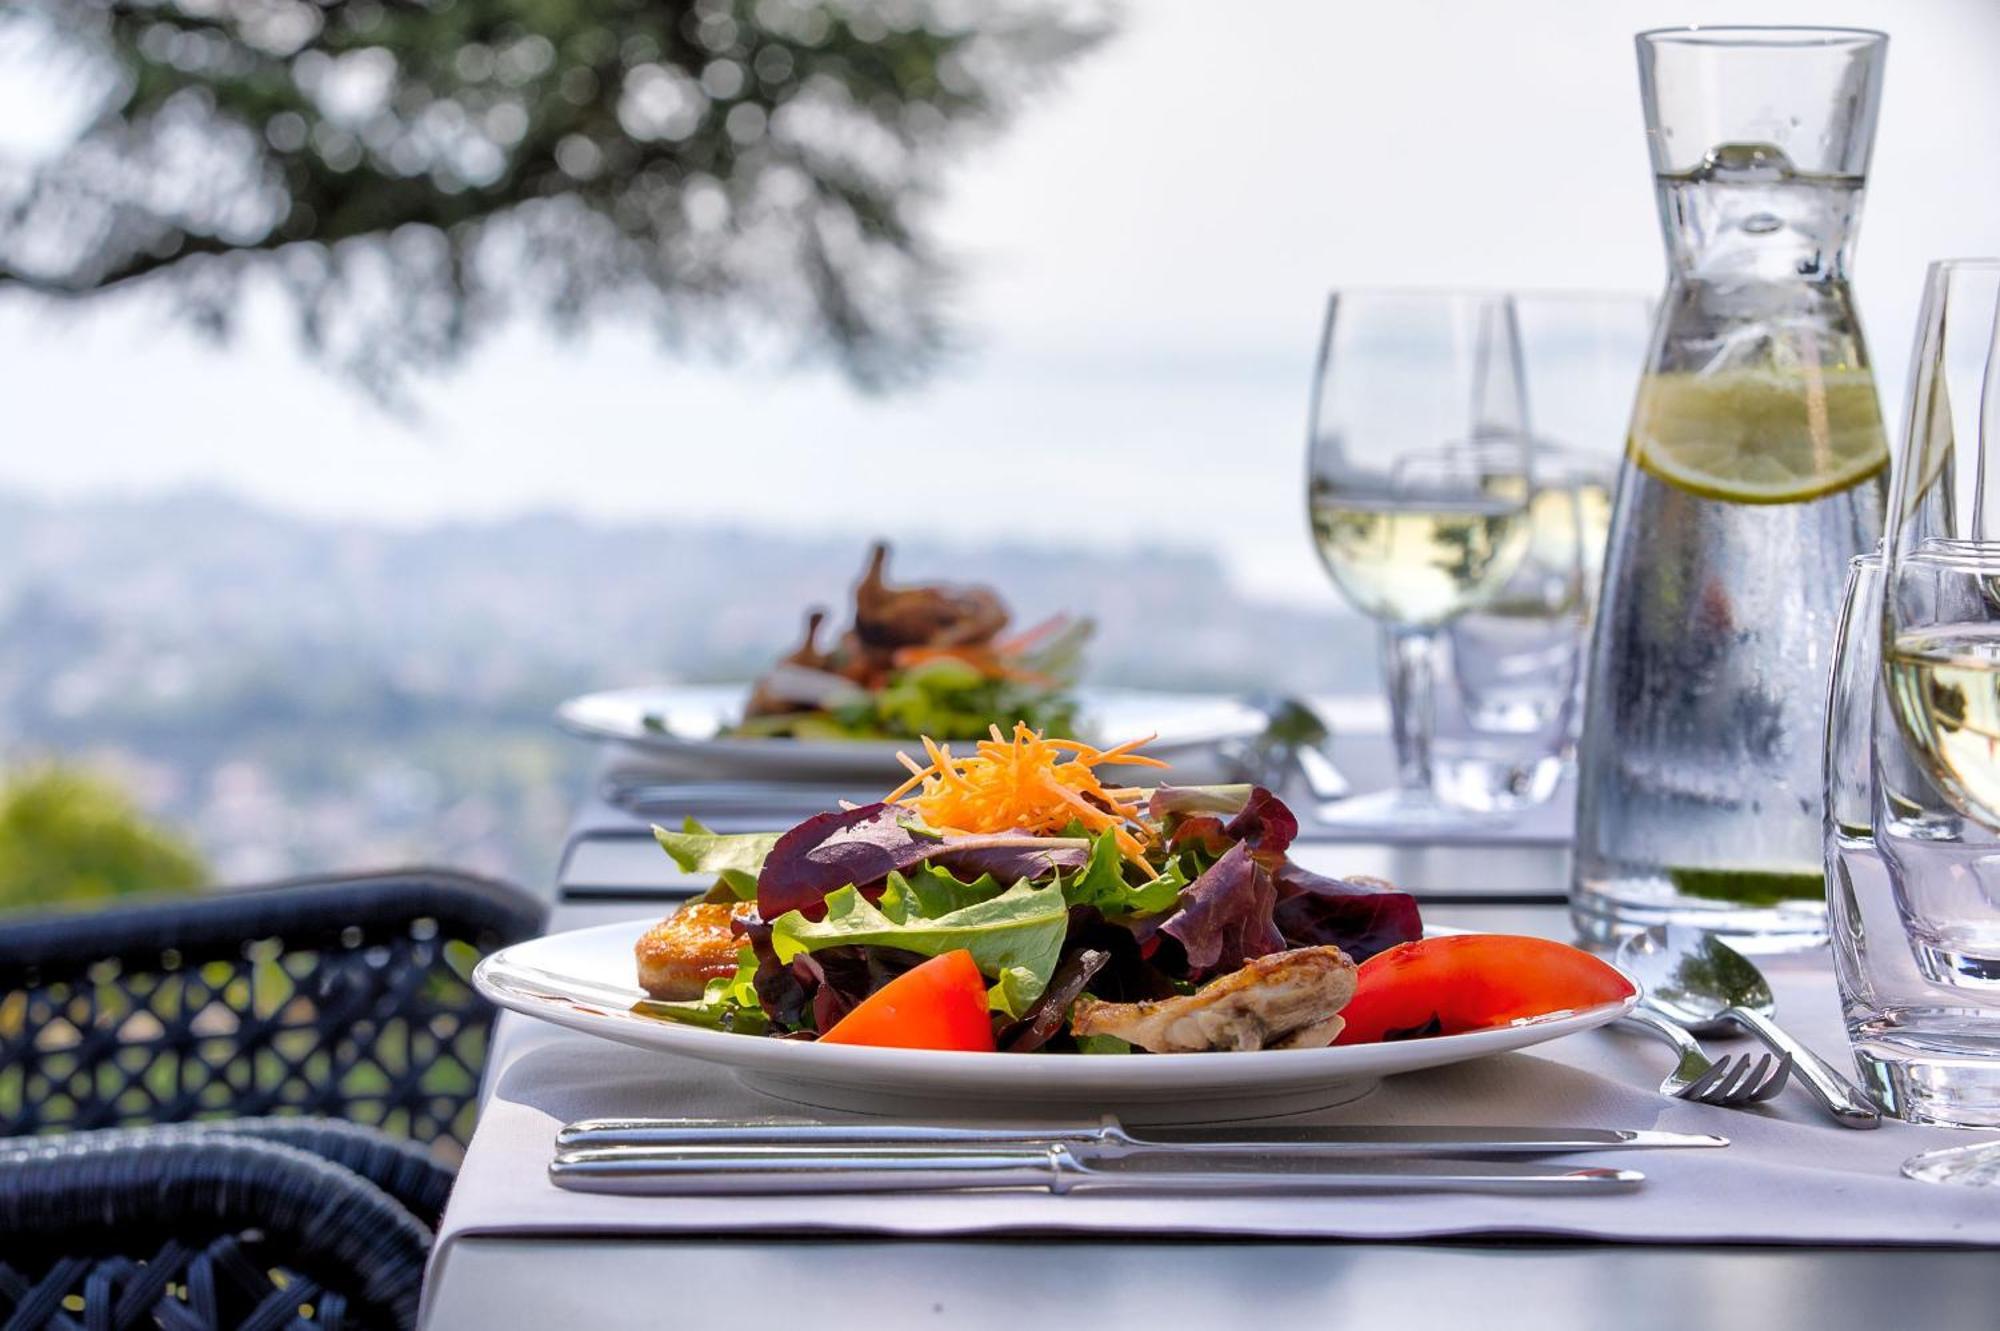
<point>920,660</point>
<point>1171,888</point>
<point>1013,900</point>
<point>948,697</point>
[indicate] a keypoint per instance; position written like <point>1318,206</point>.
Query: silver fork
<point>1731,1082</point>
<point>1295,739</point>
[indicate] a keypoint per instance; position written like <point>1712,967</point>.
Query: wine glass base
<point>1975,1166</point>
<point>1402,810</point>
<point>1931,1065</point>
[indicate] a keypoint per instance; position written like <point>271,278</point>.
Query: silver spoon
<point>1708,986</point>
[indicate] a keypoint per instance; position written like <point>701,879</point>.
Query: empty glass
<point>1510,700</point>
<point>1506,701</point>
<point>1926,1046</point>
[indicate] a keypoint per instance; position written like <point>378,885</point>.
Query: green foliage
<point>411,172</point>
<point>67,836</point>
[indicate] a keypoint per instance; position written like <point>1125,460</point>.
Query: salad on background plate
<point>932,660</point>
<point>1022,898</point>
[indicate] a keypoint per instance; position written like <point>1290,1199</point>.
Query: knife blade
<point>773,1170</point>
<point>1109,1139</point>
<point>748,798</point>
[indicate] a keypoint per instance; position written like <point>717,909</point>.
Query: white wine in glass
<point>1944,683</point>
<point>1418,565</point>
<point>1941,611</point>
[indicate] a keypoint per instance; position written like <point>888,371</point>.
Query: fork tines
<point>1738,1080</point>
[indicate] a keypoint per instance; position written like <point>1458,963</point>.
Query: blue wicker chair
<point>240,1110</point>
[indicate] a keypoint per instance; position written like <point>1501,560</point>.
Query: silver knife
<point>770,1170</point>
<point>1108,1139</point>
<point>746,797</point>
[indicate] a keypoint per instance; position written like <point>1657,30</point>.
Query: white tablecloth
<point>1789,1177</point>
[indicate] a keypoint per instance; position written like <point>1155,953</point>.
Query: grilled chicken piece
<point>888,617</point>
<point>682,953</point>
<point>1287,1000</point>
<point>886,620</point>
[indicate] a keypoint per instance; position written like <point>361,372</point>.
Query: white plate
<point>1189,726</point>
<point>582,980</point>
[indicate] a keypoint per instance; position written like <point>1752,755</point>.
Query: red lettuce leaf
<point>1224,918</point>
<point>967,858</point>
<point>1359,916</point>
<point>1225,914</point>
<point>1200,833</point>
<point>782,991</point>
<point>1265,825</point>
<point>1263,822</point>
<point>860,847</point>
<point>829,851</point>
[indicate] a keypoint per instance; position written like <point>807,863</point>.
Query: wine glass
<point>1941,610</point>
<point>1418,484</point>
<point>1941,655</point>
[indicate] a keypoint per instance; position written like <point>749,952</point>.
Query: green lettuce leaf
<point>734,859</point>
<point>1015,938</point>
<point>1102,884</point>
<point>1102,1044</point>
<point>726,1004</point>
<point>928,891</point>
<point>1016,989</point>
<point>947,699</point>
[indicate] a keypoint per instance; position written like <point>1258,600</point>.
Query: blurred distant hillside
<point>306,695</point>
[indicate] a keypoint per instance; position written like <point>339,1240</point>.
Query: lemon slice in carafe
<point>1762,436</point>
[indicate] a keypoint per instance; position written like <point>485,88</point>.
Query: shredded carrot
<point>1028,783</point>
<point>1030,637</point>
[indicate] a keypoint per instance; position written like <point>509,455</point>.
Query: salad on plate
<point>919,660</point>
<point>1022,898</point>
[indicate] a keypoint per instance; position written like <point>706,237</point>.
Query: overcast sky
<point>1149,251</point>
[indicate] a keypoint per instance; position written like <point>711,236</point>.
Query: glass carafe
<point>1754,471</point>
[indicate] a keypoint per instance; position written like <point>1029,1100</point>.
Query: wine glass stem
<point>1408,659</point>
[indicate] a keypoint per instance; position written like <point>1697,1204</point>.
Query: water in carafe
<point>1755,470</point>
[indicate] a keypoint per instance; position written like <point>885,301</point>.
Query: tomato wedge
<point>939,1005</point>
<point>1471,982</point>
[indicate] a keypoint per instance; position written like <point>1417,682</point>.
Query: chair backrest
<point>200,1231</point>
<point>348,998</point>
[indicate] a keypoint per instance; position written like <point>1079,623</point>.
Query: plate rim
<point>776,747</point>
<point>1153,1072</point>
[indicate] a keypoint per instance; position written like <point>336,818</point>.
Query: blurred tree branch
<point>415,171</point>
